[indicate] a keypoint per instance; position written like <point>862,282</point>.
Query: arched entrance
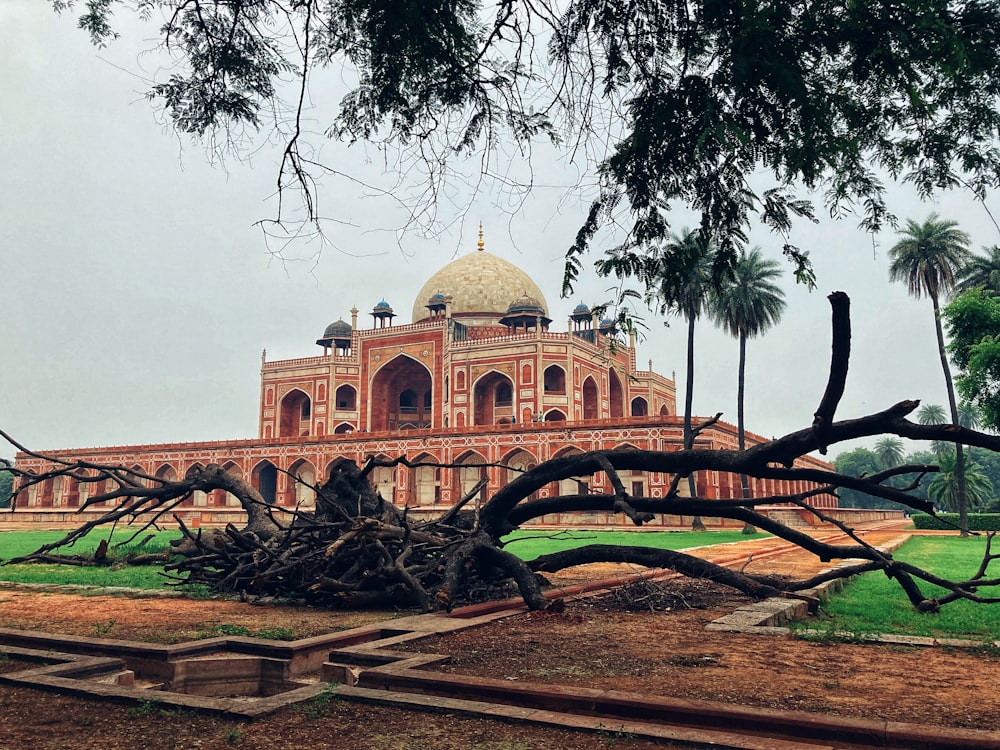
<point>402,396</point>
<point>519,462</point>
<point>591,406</point>
<point>493,398</point>
<point>616,395</point>
<point>265,478</point>
<point>639,407</point>
<point>295,414</point>
<point>471,469</point>
<point>304,479</point>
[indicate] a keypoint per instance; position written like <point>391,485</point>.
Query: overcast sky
<point>137,293</point>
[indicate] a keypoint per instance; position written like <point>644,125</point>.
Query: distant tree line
<point>6,484</point>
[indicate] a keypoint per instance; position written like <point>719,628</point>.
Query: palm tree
<point>746,306</point>
<point>679,279</point>
<point>982,272</point>
<point>943,490</point>
<point>969,415</point>
<point>889,451</point>
<point>934,414</point>
<point>927,258</point>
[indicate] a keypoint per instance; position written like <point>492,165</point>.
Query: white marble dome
<point>481,285</point>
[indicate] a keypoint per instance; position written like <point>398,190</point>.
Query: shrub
<point>977,521</point>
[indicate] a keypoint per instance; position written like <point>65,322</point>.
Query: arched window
<point>639,407</point>
<point>296,410</point>
<point>347,398</point>
<point>616,395</point>
<point>493,397</point>
<point>591,407</point>
<point>555,379</point>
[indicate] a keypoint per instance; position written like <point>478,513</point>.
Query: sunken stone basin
<point>232,675</point>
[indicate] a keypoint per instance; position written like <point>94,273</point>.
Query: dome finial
<point>480,244</point>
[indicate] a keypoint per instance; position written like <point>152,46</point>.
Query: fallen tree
<point>355,549</point>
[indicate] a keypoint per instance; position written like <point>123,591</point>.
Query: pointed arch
<point>555,415</point>
<point>591,399</point>
<point>295,414</point>
<point>518,462</point>
<point>425,482</point>
<point>199,498</point>
<point>346,398</point>
<point>264,477</point>
<point>166,472</point>
<point>470,470</point>
<point>493,398</point>
<point>303,477</point>
<point>84,489</point>
<point>616,395</point>
<point>636,481</point>
<point>554,380</point>
<point>401,395</point>
<point>382,478</point>
<point>579,485</point>
<point>639,407</point>
<point>228,498</point>
<point>344,428</point>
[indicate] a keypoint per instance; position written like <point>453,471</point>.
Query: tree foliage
<point>928,258</point>
<point>6,483</point>
<point>726,107</point>
<point>943,489</point>
<point>748,304</point>
<point>982,272</point>
<point>973,320</point>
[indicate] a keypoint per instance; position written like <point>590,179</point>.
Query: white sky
<point>136,294</point>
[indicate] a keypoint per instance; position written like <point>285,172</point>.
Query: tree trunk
<point>748,528</point>
<point>696,523</point>
<point>963,511</point>
<point>740,423</point>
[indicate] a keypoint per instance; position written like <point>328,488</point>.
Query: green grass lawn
<point>530,544</point>
<point>873,604</point>
<point>16,543</point>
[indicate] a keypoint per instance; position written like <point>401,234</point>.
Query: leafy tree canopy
<point>6,483</point>
<point>982,272</point>
<point>675,104</point>
<point>943,489</point>
<point>973,320</point>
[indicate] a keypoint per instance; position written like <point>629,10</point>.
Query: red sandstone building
<point>477,378</point>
